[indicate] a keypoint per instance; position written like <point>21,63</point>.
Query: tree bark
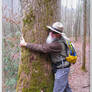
<point>11,24</point>
<point>84,37</point>
<point>34,74</point>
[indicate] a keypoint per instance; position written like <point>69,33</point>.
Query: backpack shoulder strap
<point>69,47</point>
<point>66,46</point>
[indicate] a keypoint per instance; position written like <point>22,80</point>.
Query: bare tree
<point>84,35</point>
<point>11,25</point>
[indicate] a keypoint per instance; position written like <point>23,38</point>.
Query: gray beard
<point>49,39</point>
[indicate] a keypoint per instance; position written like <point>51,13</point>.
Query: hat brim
<point>52,29</point>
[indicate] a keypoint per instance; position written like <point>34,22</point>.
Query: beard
<point>50,39</point>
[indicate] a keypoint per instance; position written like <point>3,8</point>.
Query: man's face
<point>55,34</point>
<point>51,37</point>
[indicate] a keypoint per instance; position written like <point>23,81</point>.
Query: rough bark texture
<point>34,73</point>
<point>84,36</point>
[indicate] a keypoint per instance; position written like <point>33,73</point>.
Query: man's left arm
<point>53,47</point>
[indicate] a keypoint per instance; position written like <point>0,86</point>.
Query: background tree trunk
<point>34,73</point>
<point>84,36</point>
<point>11,25</point>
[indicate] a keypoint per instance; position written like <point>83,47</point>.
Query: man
<point>56,48</point>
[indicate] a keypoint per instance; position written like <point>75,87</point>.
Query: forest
<point>26,71</point>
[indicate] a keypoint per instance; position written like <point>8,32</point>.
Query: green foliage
<point>11,56</point>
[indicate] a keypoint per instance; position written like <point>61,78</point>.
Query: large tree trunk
<point>35,73</point>
<point>84,36</point>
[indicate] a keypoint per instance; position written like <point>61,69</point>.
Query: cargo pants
<point>61,81</point>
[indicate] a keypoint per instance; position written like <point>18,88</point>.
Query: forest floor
<point>78,79</point>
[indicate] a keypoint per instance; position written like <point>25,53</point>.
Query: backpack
<point>70,50</point>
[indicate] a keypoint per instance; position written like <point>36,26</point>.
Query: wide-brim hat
<point>56,27</point>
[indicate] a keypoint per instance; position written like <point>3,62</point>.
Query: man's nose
<point>50,33</point>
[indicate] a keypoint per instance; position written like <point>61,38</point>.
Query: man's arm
<point>54,47</point>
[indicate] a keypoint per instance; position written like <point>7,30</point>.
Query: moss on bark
<point>35,73</point>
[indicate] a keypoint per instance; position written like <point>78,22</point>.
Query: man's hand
<point>22,42</point>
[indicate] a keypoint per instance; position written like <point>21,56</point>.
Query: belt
<point>62,64</point>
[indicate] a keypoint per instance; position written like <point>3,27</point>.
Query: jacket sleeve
<point>54,47</point>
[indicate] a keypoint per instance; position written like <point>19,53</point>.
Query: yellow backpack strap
<point>68,46</point>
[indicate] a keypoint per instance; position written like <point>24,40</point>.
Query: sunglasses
<point>52,31</point>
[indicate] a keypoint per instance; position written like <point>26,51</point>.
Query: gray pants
<point>61,81</point>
